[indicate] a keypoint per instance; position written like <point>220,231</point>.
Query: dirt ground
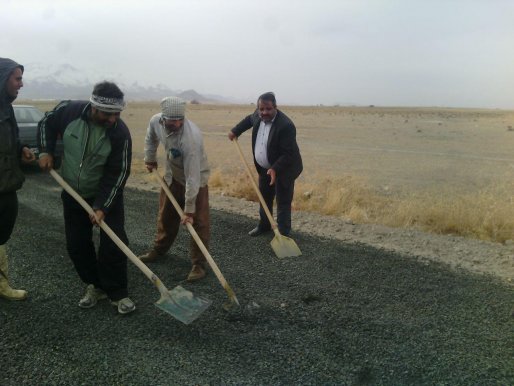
<point>396,150</point>
<point>393,149</point>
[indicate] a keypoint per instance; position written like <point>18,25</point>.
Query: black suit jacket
<point>282,150</point>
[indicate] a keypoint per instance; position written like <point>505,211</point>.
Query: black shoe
<point>258,231</point>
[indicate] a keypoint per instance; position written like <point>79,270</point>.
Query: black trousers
<point>283,190</point>
<point>108,270</point>
<point>8,214</point>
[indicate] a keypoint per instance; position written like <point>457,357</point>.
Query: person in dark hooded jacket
<point>11,175</point>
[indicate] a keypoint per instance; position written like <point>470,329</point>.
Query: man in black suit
<point>277,158</point>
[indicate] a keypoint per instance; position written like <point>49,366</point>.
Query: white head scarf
<point>108,105</point>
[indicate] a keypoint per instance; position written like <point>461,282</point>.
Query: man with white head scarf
<point>187,174</point>
<point>11,176</point>
<point>96,163</point>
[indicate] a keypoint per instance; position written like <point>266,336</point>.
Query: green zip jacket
<point>101,172</point>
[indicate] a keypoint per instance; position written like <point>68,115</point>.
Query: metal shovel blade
<point>182,304</point>
<point>284,246</point>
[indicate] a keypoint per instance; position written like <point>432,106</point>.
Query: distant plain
<point>441,170</point>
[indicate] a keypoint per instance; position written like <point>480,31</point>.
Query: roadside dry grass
<point>439,170</point>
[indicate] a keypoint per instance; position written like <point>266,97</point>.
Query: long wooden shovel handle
<point>199,242</point>
<point>148,273</point>
<point>261,199</point>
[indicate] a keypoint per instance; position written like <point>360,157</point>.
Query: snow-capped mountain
<point>65,81</point>
<point>63,73</point>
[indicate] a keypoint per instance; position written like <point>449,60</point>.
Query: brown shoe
<point>151,256</point>
<point>197,273</point>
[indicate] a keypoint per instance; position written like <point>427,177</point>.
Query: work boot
<point>197,273</point>
<point>124,305</point>
<point>5,289</point>
<point>151,256</point>
<point>92,296</point>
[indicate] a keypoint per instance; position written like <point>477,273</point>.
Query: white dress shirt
<point>261,144</point>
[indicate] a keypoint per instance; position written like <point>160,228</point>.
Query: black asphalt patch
<point>339,314</point>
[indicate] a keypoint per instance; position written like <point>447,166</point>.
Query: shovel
<point>179,302</point>
<point>208,257</point>
<point>283,246</point>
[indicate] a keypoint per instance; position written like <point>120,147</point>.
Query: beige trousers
<point>168,221</point>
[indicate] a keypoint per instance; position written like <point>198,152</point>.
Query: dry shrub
<point>240,186</point>
<point>486,215</point>
<point>234,185</point>
<point>216,179</point>
<point>348,197</point>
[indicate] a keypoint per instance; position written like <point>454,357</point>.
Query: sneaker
<point>151,256</point>
<point>197,273</point>
<point>92,296</point>
<point>124,305</point>
<point>257,231</point>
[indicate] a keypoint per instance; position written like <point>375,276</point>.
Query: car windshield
<point>27,114</point>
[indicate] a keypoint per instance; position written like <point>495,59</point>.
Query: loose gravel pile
<point>341,313</point>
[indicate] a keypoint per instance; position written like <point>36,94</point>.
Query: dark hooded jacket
<point>11,176</point>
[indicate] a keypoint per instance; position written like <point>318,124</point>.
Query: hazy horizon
<point>334,52</point>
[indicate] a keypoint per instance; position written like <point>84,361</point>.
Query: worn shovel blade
<point>284,246</point>
<point>182,304</point>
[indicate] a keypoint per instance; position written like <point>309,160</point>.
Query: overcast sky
<point>383,52</point>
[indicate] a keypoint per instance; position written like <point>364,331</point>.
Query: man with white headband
<point>96,163</point>
<point>187,174</point>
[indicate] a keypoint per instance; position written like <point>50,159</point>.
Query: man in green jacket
<point>96,163</point>
<point>11,176</point>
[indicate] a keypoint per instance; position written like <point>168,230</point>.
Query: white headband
<point>107,104</point>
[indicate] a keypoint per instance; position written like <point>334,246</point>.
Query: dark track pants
<point>108,270</point>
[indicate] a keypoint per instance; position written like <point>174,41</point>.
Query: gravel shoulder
<point>457,252</point>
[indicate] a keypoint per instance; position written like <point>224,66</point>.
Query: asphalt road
<point>341,314</point>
